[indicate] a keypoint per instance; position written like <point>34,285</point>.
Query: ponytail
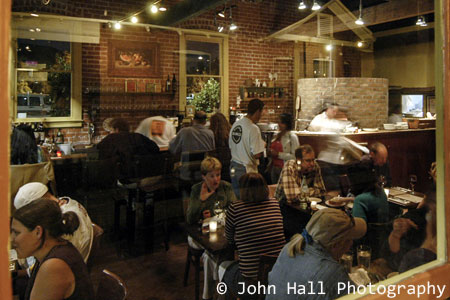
<point>296,245</point>
<point>70,222</point>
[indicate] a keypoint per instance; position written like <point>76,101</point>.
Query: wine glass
<point>217,208</point>
<point>412,182</point>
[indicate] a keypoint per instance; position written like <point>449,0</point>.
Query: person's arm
<point>400,228</point>
<point>290,187</point>
<point>257,145</point>
<point>54,281</point>
<point>194,211</point>
<point>294,144</point>
<point>229,224</point>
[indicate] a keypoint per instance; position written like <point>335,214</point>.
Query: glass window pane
<point>203,93</point>
<point>44,76</point>
<point>202,58</point>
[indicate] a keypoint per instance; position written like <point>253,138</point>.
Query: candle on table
<point>212,226</point>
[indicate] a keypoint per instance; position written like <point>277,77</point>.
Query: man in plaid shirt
<point>290,182</point>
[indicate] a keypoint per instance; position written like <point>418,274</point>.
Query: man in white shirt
<point>158,129</point>
<point>246,144</point>
<point>83,236</point>
<point>326,121</point>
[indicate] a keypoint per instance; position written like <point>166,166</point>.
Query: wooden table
<point>215,242</point>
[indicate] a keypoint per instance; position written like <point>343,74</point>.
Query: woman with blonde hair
<point>313,256</point>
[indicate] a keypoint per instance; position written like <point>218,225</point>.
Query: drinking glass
<point>412,182</point>
<point>363,256</point>
<point>347,261</point>
<point>217,208</point>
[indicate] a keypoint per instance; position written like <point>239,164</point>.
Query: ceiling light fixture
<point>221,13</point>
<point>360,21</point>
<point>219,27</point>
<point>34,15</point>
<point>421,21</point>
<point>329,47</point>
<point>233,26</point>
<point>162,8</point>
<point>360,44</point>
<point>117,25</point>
<point>154,8</point>
<point>316,6</point>
<point>302,5</point>
<point>38,29</point>
<point>134,19</point>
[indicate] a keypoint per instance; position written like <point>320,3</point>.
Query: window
<point>412,105</point>
<point>203,71</point>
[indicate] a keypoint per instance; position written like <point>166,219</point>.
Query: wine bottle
<point>168,83</point>
<point>174,84</point>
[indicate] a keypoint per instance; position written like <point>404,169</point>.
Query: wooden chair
<point>111,287</point>
<point>95,249</point>
<point>193,257</point>
<point>266,263</point>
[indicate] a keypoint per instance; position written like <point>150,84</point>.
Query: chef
<point>326,121</point>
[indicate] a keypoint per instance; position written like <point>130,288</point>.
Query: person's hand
<point>401,227</point>
<point>205,192</point>
<point>432,171</point>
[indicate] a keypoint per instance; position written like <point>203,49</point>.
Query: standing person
<point>60,272</point>
<point>326,120</point>
<point>158,129</point>
<point>312,258</point>
<point>83,236</point>
<point>221,128</point>
<point>378,158</point>
<point>255,225</point>
<point>246,144</point>
<point>283,146</point>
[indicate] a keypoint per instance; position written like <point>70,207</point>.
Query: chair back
<point>23,174</point>
<point>266,263</point>
<point>95,248</point>
<point>111,287</point>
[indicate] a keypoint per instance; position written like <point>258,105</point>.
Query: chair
<point>193,257</point>
<point>111,287</point>
<point>23,174</point>
<point>266,263</point>
<point>95,249</point>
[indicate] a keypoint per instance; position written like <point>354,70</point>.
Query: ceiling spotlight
<point>233,26</point>
<point>31,30</point>
<point>421,21</point>
<point>154,9</point>
<point>200,58</point>
<point>360,44</point>
<point>220,28</point>
<point>38,29</point>
<point>147,28</point>
<point>316,6</point>
<point>329,47</point>
<point>162,8</point>
<point>302,5</point>
<point>221,13</point>
<point>134,19</point>
<point>359,21</point>
<point>34,15</point>
<point>117,25</point>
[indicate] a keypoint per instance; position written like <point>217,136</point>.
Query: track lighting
<point>360,21</point>
<point>302,5</point>
<point>316,6</point>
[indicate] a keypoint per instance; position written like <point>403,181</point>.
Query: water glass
<point>347,262</point>
<point>363,256</point>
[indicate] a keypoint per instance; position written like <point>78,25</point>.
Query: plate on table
<point>370,129</point>
<point>311,199</point>
<point>335,204</point>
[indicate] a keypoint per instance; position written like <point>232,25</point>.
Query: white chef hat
<point>29,192</point>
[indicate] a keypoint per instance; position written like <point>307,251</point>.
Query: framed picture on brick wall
<point>133,59</point>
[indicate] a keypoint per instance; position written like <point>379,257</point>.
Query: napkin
<point>360,277</point>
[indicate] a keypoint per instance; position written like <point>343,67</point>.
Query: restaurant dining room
<point>225,149</point>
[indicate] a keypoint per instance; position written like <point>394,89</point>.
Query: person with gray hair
<point>312,258</point>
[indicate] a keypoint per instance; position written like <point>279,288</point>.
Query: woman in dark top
<point>60,272</point>
<point>23,146</point>
<point>221,129</point>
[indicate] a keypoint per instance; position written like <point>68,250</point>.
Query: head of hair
<point>120,125</point>
<point>23,146</point>
<point>367,179</point>
<point>303,149</point>
<point>329,104</point>
<point>210,164</point>
<point>253,188</point>
<point>254,105</point>
<point>221,128</point>
<point>47,214</point>
<point>296,245</point>
<point>376,147</point>
<point>200,117</point>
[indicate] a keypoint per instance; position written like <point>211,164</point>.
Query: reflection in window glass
<point>202,58</point>
<point>43,78</point>
<point>412,105</point>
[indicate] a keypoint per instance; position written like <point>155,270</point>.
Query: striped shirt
<point>256,229</point>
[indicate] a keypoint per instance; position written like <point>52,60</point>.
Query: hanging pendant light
<point>302,5</point>
<point>360,21</point>
<point>233,26</point>
<point>316,6</point>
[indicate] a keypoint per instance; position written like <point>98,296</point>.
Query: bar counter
<point>411,151</point>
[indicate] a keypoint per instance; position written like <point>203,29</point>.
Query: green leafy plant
<point>209,97</point>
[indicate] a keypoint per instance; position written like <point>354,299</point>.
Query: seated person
<point>313,256</point>
<point>293,172</point>
<point>372,206</point>
<point>255,225</point>
<point>427,251</point>
<point>82,237</point>
<point>378,158</point>
<point>60,272</point>
<point>24,149</point>
<point>158,129</point>
<point>204,195</point>
<point>122,145</point>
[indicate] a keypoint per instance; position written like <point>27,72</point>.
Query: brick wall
<point>250,57</point>
<point>365,98</point>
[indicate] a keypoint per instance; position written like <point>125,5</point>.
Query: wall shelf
<point>262,93</point>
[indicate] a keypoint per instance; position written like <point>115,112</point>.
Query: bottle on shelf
<point>59,137</point>
<point>174,84</point>
<point>168,83</point>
